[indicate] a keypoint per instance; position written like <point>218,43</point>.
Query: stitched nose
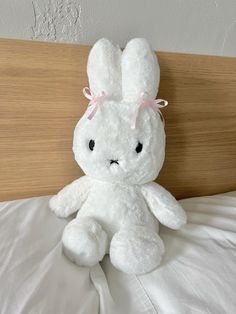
<point>114,162</point>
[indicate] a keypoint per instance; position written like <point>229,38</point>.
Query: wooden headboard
<point>41,101</point>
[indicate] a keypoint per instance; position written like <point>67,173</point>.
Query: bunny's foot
<point>136,250</point>
<point>84,241</point>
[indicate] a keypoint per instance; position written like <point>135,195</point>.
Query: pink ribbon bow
<point>145,101</point>
<point>94,101</point>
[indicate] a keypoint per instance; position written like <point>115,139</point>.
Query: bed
<point>41,100</point>
<point>198,273</point>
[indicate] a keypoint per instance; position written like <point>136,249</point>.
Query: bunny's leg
<point>136,250</point>
<point>84,241</point>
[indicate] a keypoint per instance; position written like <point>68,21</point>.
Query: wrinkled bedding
<point>198,273</point>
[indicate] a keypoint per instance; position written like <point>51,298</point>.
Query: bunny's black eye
<point>139,148</point>
<point>91,144</point>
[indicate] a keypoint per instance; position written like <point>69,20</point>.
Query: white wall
<point>197,26</point>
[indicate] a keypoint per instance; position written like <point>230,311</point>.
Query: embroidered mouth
<point>114,162</point>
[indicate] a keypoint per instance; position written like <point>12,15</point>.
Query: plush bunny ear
<point>140,70</point>
<point>104,69</point>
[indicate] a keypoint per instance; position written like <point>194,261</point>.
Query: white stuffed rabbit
<point>120,145</point>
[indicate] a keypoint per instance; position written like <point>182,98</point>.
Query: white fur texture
<point>84,241</point>
<point>136,249</point>
<point>140,70</point>
<point>104,69</point>
<point>118,204</point>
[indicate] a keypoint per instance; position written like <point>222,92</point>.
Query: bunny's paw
<point>59,207</point>
<point>84,241</point>
<point>136,250</point>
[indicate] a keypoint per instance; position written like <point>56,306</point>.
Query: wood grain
<point>41,101</point>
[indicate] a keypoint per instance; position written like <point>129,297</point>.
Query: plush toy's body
<point>120,145</point>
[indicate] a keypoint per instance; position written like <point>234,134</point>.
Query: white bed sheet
<point>198,273</point>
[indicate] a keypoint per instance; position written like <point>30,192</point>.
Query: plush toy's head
<point>119,138</point>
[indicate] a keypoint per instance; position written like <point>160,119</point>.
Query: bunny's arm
<point>71,197</point>
<point>164,206</point>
